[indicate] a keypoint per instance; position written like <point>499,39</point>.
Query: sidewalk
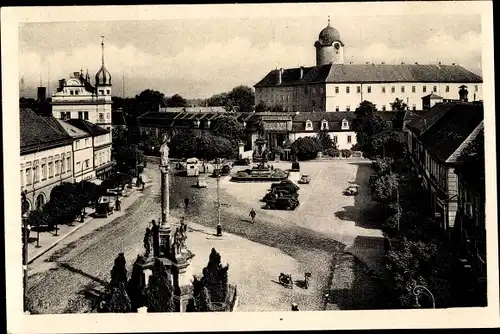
<point>48,240</point>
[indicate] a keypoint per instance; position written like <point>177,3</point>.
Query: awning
<point>96,182</point>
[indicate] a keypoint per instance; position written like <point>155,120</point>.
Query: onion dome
<point>102,77</point>
<point>329,35</point>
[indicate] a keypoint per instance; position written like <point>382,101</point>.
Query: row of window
<point>324,125</point>
<point>78,144</point>
<point>102,157</point>
<point>101,91</point>
<point>393,89</point>
<point>42,171</point>
<point>80,167</point>
<point>349,139</point>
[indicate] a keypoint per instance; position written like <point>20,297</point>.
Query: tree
<point>399,105</point>
<point>229,127</point>
<point>218,100</point>
<point>382,166</point>
<point>119,301</point>
<point>384,188</point>
<point>261,107</point>
<point>128,157</point>
<point>201,297</point>
<point>242,97</point>
<point>305,148</point>
<point>325,140</point>
<point>277,108</point>
<point>367,123</point>
<point>119,271</point>
<point>160,290</point>
<point>148,100</point>
<point>176,101</point>
<point>215,278</point>
<point>135,286</point>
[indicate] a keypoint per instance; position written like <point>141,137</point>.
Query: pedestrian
<point>143,183</point>
<point>82,216</point>
<point>147,241</point>
<point>252,215</point>
<point>186,203</point>
<point>117,204</point>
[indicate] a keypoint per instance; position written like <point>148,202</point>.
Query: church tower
<point>103,93</point>
<point>103,77</point>
<point>329,47</point>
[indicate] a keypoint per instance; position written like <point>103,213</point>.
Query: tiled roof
<point>447,133</point>
<point>427,118</point>
<point>472,170</point>
<point>334,120</point>
<point>39,132</point>
<point>433,96</point>
<point>196,109</point>
<point>371,73</point>
<point>73,131</point>
<point>93,129</point>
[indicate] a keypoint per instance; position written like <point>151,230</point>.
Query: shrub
<point>215,278</point>
<point>346,153</point>
<point>120,301</point>
<point>332,152</point>
<point>160,291</point>
<point>305,148</point>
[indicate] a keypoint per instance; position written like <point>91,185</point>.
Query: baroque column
<point>165,229</point>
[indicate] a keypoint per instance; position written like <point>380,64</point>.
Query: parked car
<point>104,207</point>
<point>286,184</point>
<point>201,183</point>
<point>243,162</point>
<point>225,170</point>
<point>283,203</point>
<point>351,191</point>
<point>305,179</point>
<point>277,193</point>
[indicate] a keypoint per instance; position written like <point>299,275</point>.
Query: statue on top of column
<point>164,151</point>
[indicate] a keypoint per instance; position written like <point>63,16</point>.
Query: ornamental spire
<point>328,20</point>
<point>102,48</point>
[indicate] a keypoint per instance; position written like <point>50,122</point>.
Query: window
<point>336,90</point>
<point>369,89</point>
<point>413,89</point>
<point>424,89</point>
<point>51,170</point>
<point>86,142</point>
<point>76,92</point>
<point>402,89</point>
<point>107,115</point>
<point>447,89</point>
<point>345,124</point>
<point>107,91</point>
<point>57,167</point>
<point>347,89</point>
<point>358,89</point>
<point>68,164</point>
<point>349,139</point>
<point>337,108</point>
<point>80,115</point>
<point>86,115</point>
<point>435,89</point>
<point>70,92</point>
<point>414,107</point>
<point>384,108</point>
<point>44,172</point>
<point>28,176</point>
<point>63,170</point>
<point>393,89</point>
<point>383,89</point>
<point>101,117</point>
<point>78,169</point>
<point>22,174</point>
<point>101,91</point>
<point>283,98</point>
<point>348,108</point>
<point>309,125</point>
<point>77,144</point>
<point>324,124</point>
<point>335,139</point>
<point>36,174</point>
<point>476,88</point>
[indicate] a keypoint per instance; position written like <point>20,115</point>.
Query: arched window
<point>309,125</point>
<point>324,124</point>
<point>40,201</point>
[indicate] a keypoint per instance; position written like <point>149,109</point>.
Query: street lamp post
<point>219,227</point>
<point>24,211</point>
<point>419,289</point>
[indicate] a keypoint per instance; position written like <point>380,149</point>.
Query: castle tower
<point>103,77</point>
<point>329,47</point>
<point>103,93</point>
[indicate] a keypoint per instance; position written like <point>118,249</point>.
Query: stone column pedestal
<point>165,210</point>
<point>182,276</point>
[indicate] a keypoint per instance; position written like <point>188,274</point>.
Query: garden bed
<point>260,175</point>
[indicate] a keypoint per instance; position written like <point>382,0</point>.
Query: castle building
<point>78,98</point>
<point>332,85</point>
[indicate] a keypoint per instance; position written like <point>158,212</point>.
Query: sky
<point>199,57</point>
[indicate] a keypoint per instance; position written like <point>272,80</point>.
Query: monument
<point>168,248</point>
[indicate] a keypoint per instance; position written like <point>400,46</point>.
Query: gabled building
<point>470,236</point>
<point>46,156</point>
<point>332,85</point>
<point>77,98</point>
<point>435,140</point>
<point>101,147</point>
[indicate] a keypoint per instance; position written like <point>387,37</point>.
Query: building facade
<point>435,141</point>
<point>333,86</point>
<point>77,98</point>
<point>46,157</point>
<point>101,147</point>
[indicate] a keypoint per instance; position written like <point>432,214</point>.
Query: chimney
<point>280,76</point>
<point>301,72</point>
<point>367,63</point>
<point>383,63</point>
<point>41,94</point>
<point>416,63</point>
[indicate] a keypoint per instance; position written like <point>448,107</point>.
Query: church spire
<point>328,20</point>
<point>102,47</point>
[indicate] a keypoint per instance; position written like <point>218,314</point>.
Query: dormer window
<point>197,123</point>
<point>309,125</point>
<point>244,124</point>
<point>208,124</point>
<point>324,124</point>
<point>345,124</point>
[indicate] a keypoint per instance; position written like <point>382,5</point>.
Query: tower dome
<point>329,35</point>
<point>102,77</point>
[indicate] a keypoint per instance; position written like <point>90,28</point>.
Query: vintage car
<point>351,191</point>
<point>305,179</point>
<point>104,207</point>
<point>277,192</point>
<point>283,203</point>
<point>201,183</point>
<point>286,184</point>
<point>225,170</point>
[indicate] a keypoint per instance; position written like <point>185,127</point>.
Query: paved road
<point>77,273</point>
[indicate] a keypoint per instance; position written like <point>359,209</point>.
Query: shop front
<point>106,171</point>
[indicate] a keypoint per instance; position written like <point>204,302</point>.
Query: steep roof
<point>428,117</point>
<point>472,170</point>
<point>371,73</point>
<point>93,129</point>
<point>40,132</point>
<point>449,131</point>
<point>73,131</point>
<point>334,120</point>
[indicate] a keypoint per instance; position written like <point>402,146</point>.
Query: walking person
<point>252,215</point>
<point>118,206</point>
<point>186,203</point>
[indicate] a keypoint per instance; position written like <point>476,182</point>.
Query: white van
<point>192,167</point>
